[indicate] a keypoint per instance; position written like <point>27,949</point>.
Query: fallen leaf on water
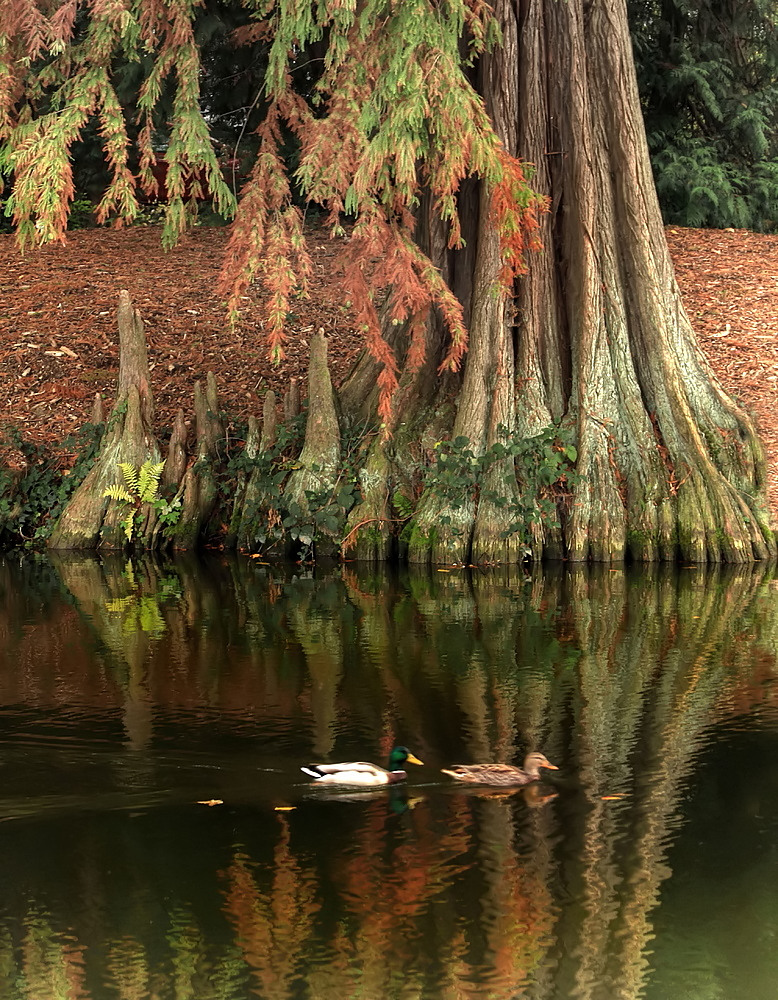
<point>210,802</point>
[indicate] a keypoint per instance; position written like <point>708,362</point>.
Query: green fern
<point>402,505</point>
<point>130,474</point>
<point>119,493</point>
<point>148,480</point>
<point>141,487</point>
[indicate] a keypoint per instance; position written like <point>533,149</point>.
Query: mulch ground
<point>58,336</point>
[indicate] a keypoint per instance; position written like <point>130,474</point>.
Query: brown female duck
<point>501,774</point>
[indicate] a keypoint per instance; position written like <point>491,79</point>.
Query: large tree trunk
<point>668,466</point>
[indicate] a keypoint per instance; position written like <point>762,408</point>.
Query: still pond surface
<point>130,693</point>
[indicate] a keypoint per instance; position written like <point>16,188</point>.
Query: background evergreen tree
<point>708,79</point>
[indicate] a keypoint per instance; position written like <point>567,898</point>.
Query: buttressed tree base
<point>531,380</point>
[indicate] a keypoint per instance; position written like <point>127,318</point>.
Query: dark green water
<point>647,866</point>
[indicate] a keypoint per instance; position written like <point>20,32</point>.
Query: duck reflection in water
<point>397,798</point>
<point>532,795</point>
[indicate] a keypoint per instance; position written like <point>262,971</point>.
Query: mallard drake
<point>360,772</point>
<point>501,774</point>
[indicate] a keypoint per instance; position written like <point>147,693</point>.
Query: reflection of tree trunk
<point>472,699</point>
<point>522,685</point>
<point>318,632</point>
<point>273,927</point>
<point>51,965</point>
<point>382,639</point>
<point>517,909</point>
<point>458,642</point>
<point>128,970</point>
<point>106,593</point>
<point>684,706</point>
<point>635,684</point>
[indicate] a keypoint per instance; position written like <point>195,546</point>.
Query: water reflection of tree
<point>637,674</point>
<point>618,679</point>
<point>51,967</point>
<point>273,924</point>
<point>397,926</point>
<point>650,680</point>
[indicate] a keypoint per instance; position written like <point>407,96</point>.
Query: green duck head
<point>401,756</point>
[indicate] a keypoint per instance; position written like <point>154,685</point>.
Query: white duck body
<point>361,773</point>
<point>358,772</point>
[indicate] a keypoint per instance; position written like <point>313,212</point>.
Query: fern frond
<point>130,474</point>
<point>118,493</point>
<point>148,480</point>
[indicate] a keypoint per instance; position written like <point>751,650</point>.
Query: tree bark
<point>254,512</point>
<point>668,466</point>
<point>476,528</point>
<point>319,460</point>
<point>175,464</point>
<point>199,489</point>
<point>91,519</point>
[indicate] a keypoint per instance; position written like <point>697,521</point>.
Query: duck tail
<point>453,774</point>
<point>311,769</point>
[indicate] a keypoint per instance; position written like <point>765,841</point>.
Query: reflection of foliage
<point>128,968</point>
<point>53,965</point>
<point>273,927</point>
<point>459,896</point>
<point>142,611</point>
<point>138,613</point>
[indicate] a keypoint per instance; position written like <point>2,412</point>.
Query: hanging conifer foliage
<point>365,145</point>
<point>552,401</point>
